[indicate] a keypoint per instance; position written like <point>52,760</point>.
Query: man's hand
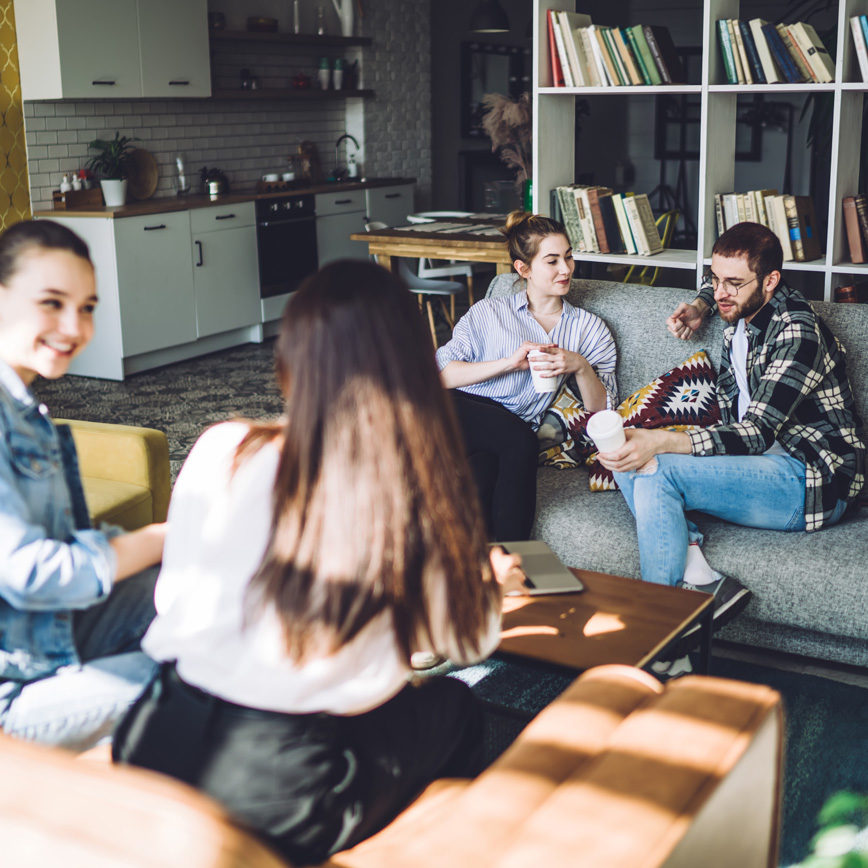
<point>641,446</point>
<point>686,319</point>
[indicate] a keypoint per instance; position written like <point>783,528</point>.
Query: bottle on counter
<point>65,185</point>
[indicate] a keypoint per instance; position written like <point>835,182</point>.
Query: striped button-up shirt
<point>494,328</point>
<point>799,396</point>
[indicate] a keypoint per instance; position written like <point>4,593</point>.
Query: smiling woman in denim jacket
<point>70,662</point>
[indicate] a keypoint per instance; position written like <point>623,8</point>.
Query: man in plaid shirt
<point>787,454</point>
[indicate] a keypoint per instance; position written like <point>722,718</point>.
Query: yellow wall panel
<point>14,189</point>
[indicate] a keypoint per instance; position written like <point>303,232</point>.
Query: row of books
<point>756,52</point>
<point>859,29</point>
<point>791,218</point>
<point>856,224</point>
<point>598,220</point>
<point>589,55</point>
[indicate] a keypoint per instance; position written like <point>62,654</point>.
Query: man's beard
<point>746,308</point>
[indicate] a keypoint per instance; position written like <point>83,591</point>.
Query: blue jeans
<point>762,491</point>
<point>79,706</point>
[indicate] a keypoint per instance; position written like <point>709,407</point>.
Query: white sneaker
<point>666,669</point>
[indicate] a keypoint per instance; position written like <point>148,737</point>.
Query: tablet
<point>545,573</point>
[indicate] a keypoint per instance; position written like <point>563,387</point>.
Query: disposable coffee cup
<point>606,429</point>
<point>541,383</point>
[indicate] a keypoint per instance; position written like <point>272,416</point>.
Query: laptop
<point>545,573</point>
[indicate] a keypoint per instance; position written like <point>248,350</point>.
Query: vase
<point>345,13</point>
<point>527,195</point>
<point>114,192</point>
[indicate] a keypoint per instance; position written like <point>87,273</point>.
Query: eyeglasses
<point>728,287</point>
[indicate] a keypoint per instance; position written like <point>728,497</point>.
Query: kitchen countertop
<point>187,203</point>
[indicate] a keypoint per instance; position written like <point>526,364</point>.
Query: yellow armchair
<point>125,472</point>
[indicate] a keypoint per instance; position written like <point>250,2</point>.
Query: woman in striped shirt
<point>486,365</point>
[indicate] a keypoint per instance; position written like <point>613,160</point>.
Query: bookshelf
<point>554,138</point>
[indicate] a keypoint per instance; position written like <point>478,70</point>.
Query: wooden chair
<point>427,289</point>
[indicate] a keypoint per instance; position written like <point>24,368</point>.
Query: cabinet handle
<point>225,217</point>
<point>154,228</point>
<point>182,83</point>
<point>343,201</point>
<point>105,83</point>
<point>201,261</point>
<point>393,195</point>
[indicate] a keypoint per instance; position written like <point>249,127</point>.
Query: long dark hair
<point>44,234</point>
<point>374,507</point>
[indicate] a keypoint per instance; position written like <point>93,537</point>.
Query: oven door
<point>287,254</point>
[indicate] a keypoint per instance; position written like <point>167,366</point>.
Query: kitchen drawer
<point>339,202</point>
<point>390,205</point>
<point>222,217</point>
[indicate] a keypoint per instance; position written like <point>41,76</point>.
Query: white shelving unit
<point>554,137</point>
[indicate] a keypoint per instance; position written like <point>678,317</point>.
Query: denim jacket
<point>51,562</point>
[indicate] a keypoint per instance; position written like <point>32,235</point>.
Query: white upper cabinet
<point>173,37</point>
<point>84,49</point>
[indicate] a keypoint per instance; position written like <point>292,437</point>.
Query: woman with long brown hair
<point>306,561</point>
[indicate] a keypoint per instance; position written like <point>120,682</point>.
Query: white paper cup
<point>541,383</point>
<point>606,429</point>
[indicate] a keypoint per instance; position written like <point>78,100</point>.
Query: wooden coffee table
<point>614,620</point>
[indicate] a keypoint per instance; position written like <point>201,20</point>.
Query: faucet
<point>339,174</point>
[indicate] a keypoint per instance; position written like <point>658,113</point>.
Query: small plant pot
<point>114,192</point>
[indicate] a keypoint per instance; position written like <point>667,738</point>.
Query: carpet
<point>826,722</point>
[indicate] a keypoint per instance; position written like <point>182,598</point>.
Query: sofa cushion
<point>562,437</point>
<point>679,400</point>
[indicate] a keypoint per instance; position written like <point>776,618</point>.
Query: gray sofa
<point>810,591</point>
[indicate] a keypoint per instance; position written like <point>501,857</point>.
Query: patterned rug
<point>181,399</point>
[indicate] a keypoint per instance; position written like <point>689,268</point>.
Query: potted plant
<point>113,163</point>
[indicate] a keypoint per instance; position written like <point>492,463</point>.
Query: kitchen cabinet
<point>390,205</point>
<point>155,282</point>
<point>339,215</point>
<point>225,270</point>
<point>73,49</point>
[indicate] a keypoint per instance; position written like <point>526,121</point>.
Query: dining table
<point>476,238</point>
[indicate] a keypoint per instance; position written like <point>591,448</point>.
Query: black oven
<point>286,238</point>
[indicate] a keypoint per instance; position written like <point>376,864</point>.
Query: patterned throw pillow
<point>681,400</point>
<point>562,439</point>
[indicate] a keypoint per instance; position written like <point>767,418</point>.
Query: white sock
<point>697,570</point>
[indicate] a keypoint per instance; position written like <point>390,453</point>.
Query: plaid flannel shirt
<point>800,396</point>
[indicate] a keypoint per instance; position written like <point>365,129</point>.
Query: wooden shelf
<point>288,38</point>
<point>312,95</point>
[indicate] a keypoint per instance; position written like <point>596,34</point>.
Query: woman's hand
<point>138,549</point>
<point>559,361</point>
<point>519,361</point>
<point>507,570</point>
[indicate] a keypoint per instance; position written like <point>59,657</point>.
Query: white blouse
<point>218,531</point>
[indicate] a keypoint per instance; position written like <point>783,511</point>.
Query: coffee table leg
<point>705,632</point>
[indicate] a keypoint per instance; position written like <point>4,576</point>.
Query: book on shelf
<point>624,222</point>
<point>741,67</point>
<point>795,53</point>
<point>816,56</point>
<point>752,54</point>
<point>732,208</point>
<point>597,76</point>
<point>643,225</point>
<point>781,55</point>
<point>778,224</point>
<point>626,52</point>
<point>570,23</point>
<point>605,59</point>
<point>560,50</point>
<point>860,45</point>
<point>554,58</point>
<point>665,54</point>
<point>586,220</point>
<point>569,215</point>
<point>724,36</point>
<point>648,68</point>
<point>599,226</point>
<point>801,224</point>
<point>610,221</point>
<point>614,56</point>
<point>555,205</point>
<point>861,202</point>
<point>770,68</point>
<point>855,240</point>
